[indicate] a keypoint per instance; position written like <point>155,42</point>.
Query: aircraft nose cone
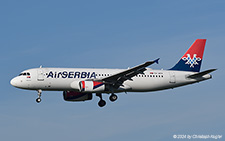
<point>14,82</point>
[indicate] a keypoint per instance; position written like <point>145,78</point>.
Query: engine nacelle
<point>76,96</point>
<point>88,86</point>
<point>91,86</point>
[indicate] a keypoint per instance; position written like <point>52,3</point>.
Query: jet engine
<point>89,86</point>
<point>76,96</point>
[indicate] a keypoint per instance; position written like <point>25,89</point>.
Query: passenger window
<point>28,73</point>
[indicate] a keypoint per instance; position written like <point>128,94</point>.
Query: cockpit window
<point>25,74</point>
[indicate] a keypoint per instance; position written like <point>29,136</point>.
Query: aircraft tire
<point>101,103</point>
<point>38,100</point>
<point>113,97</point>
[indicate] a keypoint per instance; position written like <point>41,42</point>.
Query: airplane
<point>79,84</point>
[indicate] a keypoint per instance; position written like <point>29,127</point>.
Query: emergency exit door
<point>40,75</point>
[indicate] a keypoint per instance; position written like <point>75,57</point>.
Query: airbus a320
<point>79,84</point>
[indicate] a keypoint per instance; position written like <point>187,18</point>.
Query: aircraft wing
<point>117,79</point>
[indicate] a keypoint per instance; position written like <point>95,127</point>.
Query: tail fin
<point>192,59</point>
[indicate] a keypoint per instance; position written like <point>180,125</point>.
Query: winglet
<point>157,61</point>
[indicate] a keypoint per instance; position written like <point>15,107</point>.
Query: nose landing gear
<point>38,100</point>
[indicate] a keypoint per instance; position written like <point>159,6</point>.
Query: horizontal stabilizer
<point>200,74</point>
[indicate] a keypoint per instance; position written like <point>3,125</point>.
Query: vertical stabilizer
<point>192,59</point>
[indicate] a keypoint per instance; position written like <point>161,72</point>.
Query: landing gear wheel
<point>113,97</point>
<point>101,103</point>
<point>38,100</point>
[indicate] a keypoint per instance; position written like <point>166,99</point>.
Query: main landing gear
<point>102,102</point>
<point>113,97</point>
<point>38,100</point>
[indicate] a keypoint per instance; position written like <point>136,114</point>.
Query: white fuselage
<point>79,84</point>
<point>60,79</point>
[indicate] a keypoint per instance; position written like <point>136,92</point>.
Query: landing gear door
<point>172,77</point>
<point>40,75</point>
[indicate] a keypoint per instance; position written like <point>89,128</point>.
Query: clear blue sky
<point>110,34</point>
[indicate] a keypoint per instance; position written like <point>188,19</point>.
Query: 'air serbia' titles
<point>71,74</point>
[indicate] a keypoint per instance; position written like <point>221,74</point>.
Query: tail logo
<point>191,61</point>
